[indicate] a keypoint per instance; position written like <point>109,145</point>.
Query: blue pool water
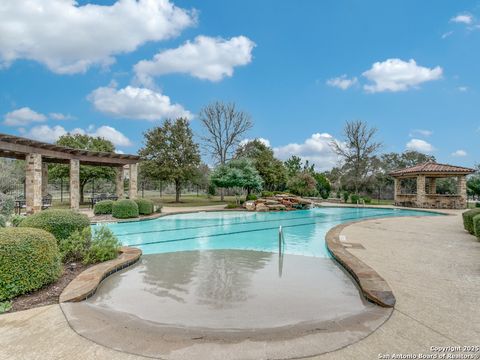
<point>304,230</point>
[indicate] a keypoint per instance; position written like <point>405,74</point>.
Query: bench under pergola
<point>425,195</point>
<point>38,155</point>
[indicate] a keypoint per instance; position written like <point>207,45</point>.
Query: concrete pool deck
<point>430,263</point>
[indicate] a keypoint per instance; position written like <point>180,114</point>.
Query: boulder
<point>249,205</point>
<point>261,207</point>
<point>278,207</point>
<point>271,202</point>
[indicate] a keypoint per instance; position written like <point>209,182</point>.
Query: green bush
<point>354,198</point>
<point>251,197</point>
<point>16,220</point>
<point>3,221</point>
<point>7,204</point>
<point>104,246</point>
<point>477,204</point>
<point>267,194</point>
<point>29,259</point>
<point>124,209</point>
<point>145,207</point>
<point>75,247</point>
<point>346,196</point>
<point>61,223</point>
<point>367,199</point>
<point>232,206</point>
<point>476,225</point>
<point>468,219</point>
<point>103,207</point>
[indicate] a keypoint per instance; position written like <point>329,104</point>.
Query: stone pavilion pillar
<point>432,186</point>
<point>462,191</point>
<point>421,190</point>
<point>74,184</point>
<point>133,172</point>
<point>119,185</point>
<point>33,183</point>
<point>44,179</point>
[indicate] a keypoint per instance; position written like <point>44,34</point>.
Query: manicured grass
<point>190,200</point>
<point>381,202</point>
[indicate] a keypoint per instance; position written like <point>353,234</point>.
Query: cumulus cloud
<point>60,116</point>
<point>69,38</point>
<point>459,153</point>
<point>136,103</point>
<point>51,134</point>
<point>462,19</point>
<point>398,75</point>
<point>205,58</point>
<point>420,145</point>
<point>264,141</point>
<point>316,149</point>
<point>342,82</point>
<point>23,116</point>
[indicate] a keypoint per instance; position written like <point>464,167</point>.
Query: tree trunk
<point>81,193</point>
<point>221,194</point>
<point>178,190</point>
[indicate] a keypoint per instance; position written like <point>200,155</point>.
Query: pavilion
<point>425,195</point>
<point>38,155</point>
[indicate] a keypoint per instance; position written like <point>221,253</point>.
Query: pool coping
<point>88,281</point>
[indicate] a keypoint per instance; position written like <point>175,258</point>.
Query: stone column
<point>421,191</point>
<point>44,179</point>
<point>132,190</point>
<point>397,189</point>
<point>432,186</point>
<point>74,184</point>
<point>119,185</point>
<point>462,191</point>
<point>33,183</point>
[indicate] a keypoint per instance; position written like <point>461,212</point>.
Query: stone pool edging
<point>88,281</point>
<point>372,285</point>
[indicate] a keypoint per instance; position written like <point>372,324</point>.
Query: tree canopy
<point>238,173</point>
<point>170,153</point>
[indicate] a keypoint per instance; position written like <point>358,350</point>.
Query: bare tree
<point>357,150</point>
<point>224,127</point>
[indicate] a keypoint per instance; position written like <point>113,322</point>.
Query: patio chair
<point>46,201</point>
<point>20,203</point>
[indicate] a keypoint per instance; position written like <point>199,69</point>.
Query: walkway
<point>431,264</point>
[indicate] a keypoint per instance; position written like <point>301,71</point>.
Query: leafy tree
<point>293,165</point>
<point>171,154</point>
<point>323,185</point>
<point>357,150</point>
<point>12,174</point>
<point>302,184</point>
<point>270,169</point>
<point>238,173</point>
<point>202,177</point>
<point>473,183</point>
<point>87,172</point>
<point>224,127</point>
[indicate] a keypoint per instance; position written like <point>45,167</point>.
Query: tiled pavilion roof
<point>432,168</point>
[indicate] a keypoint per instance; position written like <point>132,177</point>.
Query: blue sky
<point>301,69</point>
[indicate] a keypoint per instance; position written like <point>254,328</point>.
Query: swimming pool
<point>304,230</point>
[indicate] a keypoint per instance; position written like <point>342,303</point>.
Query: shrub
<point>367,199</point>
<point>468,219</point>
<point>3,221</point>
<point>477,204</point>
<point>251,197</point>
<point>267,194</point>
<point>302,184</point>
<point>16,220</point>
<point>345,195</point>
<point>124,209</point>
<point>104,246</point>
<point>476,225</point>
<point>354,198</point>
<point>61,223</point>
<point>75,247</point>
<point>103,207</point>
<point>29,259</point>
<point>145,207</point>
<point>7,204</point>
<point>232,206</point>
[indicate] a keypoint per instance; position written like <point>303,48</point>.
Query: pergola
<point>426,195</point>
<point>38,155</point>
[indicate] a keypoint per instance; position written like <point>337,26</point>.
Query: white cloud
<point>462,88</point>
<point>316,149</point>
<point>459,153</point>
<point>398,75</point>
<point>205,58</point>
<point>420,145</point>
<point>69,38</point>
<point>136,103</point>
<point>49,134</point>
<point>447,34</point>
<point>422,132</point>
<point>342,82</point>
<point>264,141</point>
<point>60,116</point>
<point>23,117</point>
<point>463,19</point>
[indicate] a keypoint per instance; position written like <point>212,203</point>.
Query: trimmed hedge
<point>476,225</point>
<point>124,209</point>
<point>103,207</point>
<point>468,219</point>
<point>29,259</point>
<point>61,223</point>
<point>145,207</point>
<point>251,197</point>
